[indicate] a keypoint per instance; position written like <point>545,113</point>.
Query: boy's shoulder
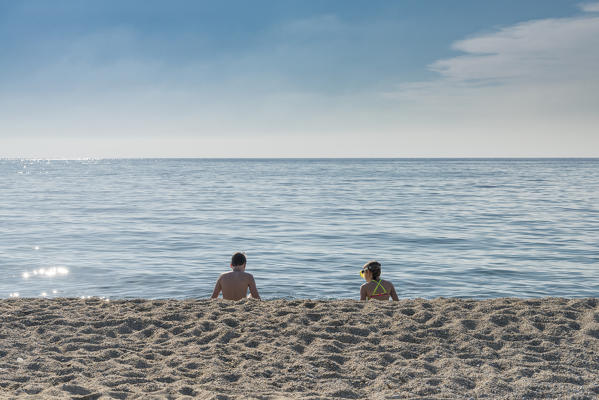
<point>237,273</point>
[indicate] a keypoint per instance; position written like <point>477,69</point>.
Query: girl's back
<point>380,290</point>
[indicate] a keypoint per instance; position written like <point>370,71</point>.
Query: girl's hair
<point>374,267</point>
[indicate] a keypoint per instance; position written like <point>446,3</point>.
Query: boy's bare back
<point>234,286</point>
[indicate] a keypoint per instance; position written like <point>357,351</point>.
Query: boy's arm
<point>217,289</point>
<point>253,288</point>
<point>393,293</point>
<point>363,292</point>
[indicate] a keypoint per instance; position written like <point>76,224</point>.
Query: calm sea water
<point>158,228</point>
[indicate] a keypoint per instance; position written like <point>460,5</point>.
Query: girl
<point>375,287</point>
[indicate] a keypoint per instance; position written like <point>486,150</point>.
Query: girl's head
<point>371,271</point>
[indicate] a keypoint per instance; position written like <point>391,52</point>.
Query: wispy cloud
<point>541,53</point>
<point>525,89</point>
<point>565,49</point>
<point>590,7</point>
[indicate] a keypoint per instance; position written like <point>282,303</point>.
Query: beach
<point>444,348</point>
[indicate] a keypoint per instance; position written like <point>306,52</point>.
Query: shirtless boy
<point>375,287</point>
<point>235,284</point>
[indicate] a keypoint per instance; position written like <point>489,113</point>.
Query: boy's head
<point>238,260</point>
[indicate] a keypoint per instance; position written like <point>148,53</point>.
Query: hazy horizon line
<point>292,158</point>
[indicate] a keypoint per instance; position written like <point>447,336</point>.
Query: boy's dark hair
<point>238,259</point>
<point>374,267</point>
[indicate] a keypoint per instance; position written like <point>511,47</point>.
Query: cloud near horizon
<point>531,86</point>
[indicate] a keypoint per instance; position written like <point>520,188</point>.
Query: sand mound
<point>444,348</point>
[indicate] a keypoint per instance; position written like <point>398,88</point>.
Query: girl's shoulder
<point>386,283</point>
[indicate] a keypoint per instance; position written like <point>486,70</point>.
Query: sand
<point>279,349</point>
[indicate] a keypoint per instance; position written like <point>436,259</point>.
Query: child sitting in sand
<point>375,288</point>
<point>235,284</point>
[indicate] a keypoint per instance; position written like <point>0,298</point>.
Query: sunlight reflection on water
<point>46,272</point>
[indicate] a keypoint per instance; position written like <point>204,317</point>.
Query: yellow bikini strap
<point>377,286</point>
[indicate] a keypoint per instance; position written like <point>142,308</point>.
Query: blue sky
<point>298,78</point>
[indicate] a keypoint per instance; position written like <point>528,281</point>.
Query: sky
<point>302,78</point>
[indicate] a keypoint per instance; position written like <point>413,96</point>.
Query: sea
<point>166,228</point>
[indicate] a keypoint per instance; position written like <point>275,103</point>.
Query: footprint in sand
<point>231,322</point>
<point>468,324</point>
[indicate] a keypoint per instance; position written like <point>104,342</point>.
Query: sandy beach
<point>437,349</point>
